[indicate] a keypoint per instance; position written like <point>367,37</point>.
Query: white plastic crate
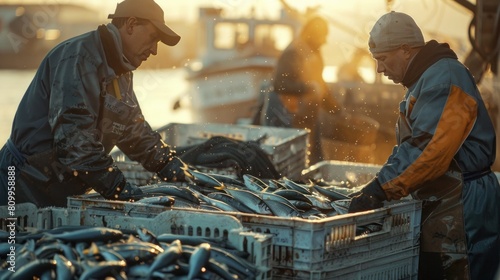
<point>25,215</point>
<point>397,266</point>
<point>91,210</point>
<point>286,148</point>
<point>301,248</point>
<point>136,174</point>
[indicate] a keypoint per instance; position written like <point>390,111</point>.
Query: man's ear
<point>406,50</point>
<point>130,24</point>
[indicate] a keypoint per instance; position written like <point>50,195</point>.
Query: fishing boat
<point>236,58</point>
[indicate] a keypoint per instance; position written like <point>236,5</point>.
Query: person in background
<point>349,71</point>
<point>446,145</point>
<point>299,90</point>
<point>80,105</point>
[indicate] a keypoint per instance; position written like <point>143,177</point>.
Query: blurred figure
<point>349,71</point>
<point>299,91</point>
<point>79,106</point>
<point>446,146</point>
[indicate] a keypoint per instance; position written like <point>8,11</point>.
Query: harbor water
<point>157,90</point>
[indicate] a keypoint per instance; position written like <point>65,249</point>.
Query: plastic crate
<point>333,170</point>
<point>24,214</point>
<point>301,248</point>
<point>136,174</point>
<point>89,210</point>
<point>285,147</point>
<point>397,266</point>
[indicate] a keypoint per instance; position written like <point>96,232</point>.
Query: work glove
<point>174,171</point>
<point>371,197</point>
<point>129,192</point>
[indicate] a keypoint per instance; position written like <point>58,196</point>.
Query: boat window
<point>275,36</point>
<point>230,35</point>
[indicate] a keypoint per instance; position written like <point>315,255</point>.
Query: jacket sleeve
<point>142,144</point>
<point>440,118</point>
<point>73,117</point>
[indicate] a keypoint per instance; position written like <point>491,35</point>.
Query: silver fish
<point>304,189</point>
<point>253,183</point>
<point>171,190</point>
<point>206,180</point>
<point>217,203</point>
<point>227,198</point>
<point>252,200</point>
<point>88,234</point>
<point>33,269</point>
<point>275,185</point>
<point>281,209</point>
<point>293,195</point>
<point>171,254</point>
<point>158,200</point>
<point>272,196</point>
<point>320,201</point>
<point>64,268</point>
<point>198,260</point>
<point>103,269</point>
<point>330,193</point>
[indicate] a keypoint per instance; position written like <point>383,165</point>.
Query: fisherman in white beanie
<point>445,147</point>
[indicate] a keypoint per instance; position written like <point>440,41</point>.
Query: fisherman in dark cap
<point>80,105</point>
<point>446,146</point>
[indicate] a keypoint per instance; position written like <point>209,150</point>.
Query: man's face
<point>140,41</point>
<point>392,64</point>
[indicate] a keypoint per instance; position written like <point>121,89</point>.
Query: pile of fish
<point>80,252</point>
<point>282,198</point>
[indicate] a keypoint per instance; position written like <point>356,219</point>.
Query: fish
<point>253,183</point>
<point>293,195</point>
<point>320,202</point>
<point>205,206</point>
<point>33,269</point>
<point>281,209</point>
<point>330,193</point>
<point>64,268</point>
<point>171,190</point>
<point>206,179</point>
<point>227,180</point>
<point>158,200</point>
<point>110,255</point>
<point>88,234</point>
<point>227,198</point>
<point>220,269</point>
<point>304,189</point>
<point>48,251</point>
<point>301,205</point>
<point>272,196</point>
<point>240,266</point>
<point>136,252</point>
<point>275,185</point>
<point>217,203</point>
<point>183,203</point>
<point>147,236</point>
<point>169,255</point>
<point>252,200</point>
<point>198,260</point>
<point>102,270</point>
